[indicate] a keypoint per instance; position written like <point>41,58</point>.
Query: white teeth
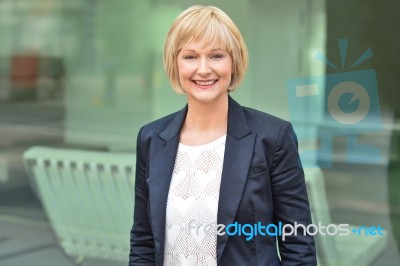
<point>205,83</point>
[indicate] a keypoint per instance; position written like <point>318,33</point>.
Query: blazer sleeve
<point>290,200</point>
<point>141,236</point>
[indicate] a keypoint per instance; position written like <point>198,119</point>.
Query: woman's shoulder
<point>257,118</point>
<point>155,127</point>
<point>159,122</point>
<point>269,127</point>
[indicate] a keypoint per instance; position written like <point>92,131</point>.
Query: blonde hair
<point>207,24</point>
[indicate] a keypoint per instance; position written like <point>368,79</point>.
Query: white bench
<point>88,197</point>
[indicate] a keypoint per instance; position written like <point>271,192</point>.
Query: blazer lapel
<point>239,148</point>
<point>162,157</point>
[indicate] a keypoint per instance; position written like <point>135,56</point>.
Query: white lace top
<point>193,204</point>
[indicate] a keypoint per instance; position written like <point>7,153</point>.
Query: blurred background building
<point>86,74</point>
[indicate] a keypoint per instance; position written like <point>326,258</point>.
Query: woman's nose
<point>204,68</point>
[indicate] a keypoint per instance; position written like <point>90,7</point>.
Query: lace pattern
<point>193,200</point>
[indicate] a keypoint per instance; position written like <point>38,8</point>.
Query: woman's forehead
<point>204,45</point>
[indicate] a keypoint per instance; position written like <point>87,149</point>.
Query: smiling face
<point>204,25</point>
<point>205,71</point>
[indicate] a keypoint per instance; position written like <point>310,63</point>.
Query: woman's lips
<point>205,84</point>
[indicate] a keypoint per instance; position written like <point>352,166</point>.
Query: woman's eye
<point>217,56</point>
<point>189,57</point>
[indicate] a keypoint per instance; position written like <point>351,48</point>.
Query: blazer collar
<point>237,124</point>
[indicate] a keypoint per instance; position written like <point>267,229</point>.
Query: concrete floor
<point>30,242</point>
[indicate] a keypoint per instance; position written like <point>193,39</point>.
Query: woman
<point>216,165</point>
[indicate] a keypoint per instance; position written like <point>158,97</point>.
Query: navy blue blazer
<point>262,181</point>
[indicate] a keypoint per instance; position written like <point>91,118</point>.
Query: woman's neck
<point>205,122</point>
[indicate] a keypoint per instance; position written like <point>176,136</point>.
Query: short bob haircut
<point>206,24</point>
